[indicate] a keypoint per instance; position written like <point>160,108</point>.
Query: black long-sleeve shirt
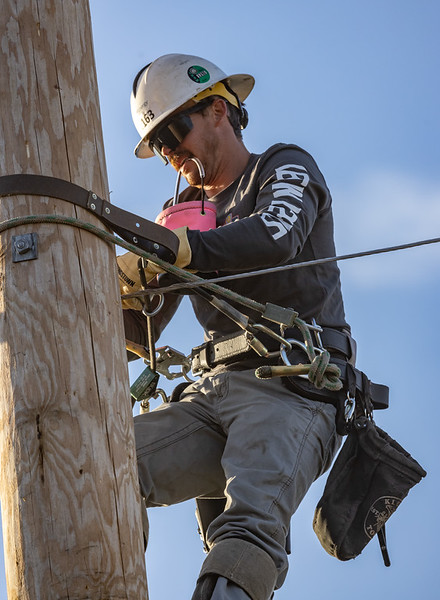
<point>277,212</point>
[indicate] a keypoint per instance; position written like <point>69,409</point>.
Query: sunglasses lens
<point>172,134</point>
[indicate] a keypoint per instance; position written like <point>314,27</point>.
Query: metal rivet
<point>107,210</point>
<point>94,196</point>
<point>156,246</point>
<point>93,206</point>
<point>135,240</point>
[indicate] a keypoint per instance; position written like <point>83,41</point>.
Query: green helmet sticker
<point>198,74</point>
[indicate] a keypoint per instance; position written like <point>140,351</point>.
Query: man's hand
<point>129,278</point>
<point>183,255</point>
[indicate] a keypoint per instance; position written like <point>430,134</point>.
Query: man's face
<point>198,142</point>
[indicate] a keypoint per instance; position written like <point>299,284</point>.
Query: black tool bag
<point>371,476</point>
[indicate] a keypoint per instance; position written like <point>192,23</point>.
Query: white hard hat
<point>169,82</point>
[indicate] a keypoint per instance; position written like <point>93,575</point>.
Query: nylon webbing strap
<point>134,229</point>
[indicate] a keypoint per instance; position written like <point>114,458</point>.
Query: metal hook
<point>160,392</point>
<point>176,189</point>
<point>202,180</point>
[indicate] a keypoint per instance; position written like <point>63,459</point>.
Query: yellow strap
<point>218,89</point>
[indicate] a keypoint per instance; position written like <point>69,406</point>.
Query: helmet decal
<point>199,74</point>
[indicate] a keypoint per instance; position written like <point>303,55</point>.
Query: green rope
<point>323,374</point>
<point>108,237</point>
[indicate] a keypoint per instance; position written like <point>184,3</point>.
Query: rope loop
<point>323,374</point>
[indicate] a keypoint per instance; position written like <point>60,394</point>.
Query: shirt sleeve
<point>283,203</point>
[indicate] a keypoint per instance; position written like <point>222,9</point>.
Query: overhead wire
<point>319,261</point>
<point>192,280</point>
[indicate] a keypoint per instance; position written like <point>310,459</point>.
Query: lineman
<point>257,443</point>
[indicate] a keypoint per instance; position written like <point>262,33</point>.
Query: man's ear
<point>219,110</point>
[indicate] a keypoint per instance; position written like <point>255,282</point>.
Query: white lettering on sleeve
<point>280,215</point>
<point>294,172</point>
<point>287,189</point>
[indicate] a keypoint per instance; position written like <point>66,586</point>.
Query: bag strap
<point>383,546</point>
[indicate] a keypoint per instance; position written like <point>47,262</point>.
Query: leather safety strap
<point>140,232</point>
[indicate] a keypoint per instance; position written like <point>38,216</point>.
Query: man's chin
<point>193,181</point>
<point>190,172</point>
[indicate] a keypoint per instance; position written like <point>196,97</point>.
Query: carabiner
<point>349,408</point>
<point>276,336</point>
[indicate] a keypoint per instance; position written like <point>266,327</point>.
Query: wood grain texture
<point>68,480</point>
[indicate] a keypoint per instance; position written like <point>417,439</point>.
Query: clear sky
<point>357,85</point>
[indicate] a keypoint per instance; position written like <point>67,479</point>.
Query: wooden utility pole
<point>68,482</point>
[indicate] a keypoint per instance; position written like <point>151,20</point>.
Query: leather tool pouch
<point>371,476</point>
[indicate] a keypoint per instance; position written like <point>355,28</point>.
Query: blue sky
<point>357,85</point>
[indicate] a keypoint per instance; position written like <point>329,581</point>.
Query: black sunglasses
<point>172,133</point>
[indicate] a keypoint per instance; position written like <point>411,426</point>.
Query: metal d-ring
<point>154,312</point>
<point>301,345</point>
<point>283,352</point>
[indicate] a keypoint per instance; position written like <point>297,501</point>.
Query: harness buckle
<point>200,356</point>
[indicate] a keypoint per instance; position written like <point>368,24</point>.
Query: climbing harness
<point>258,340</point>
<point>328,373</point>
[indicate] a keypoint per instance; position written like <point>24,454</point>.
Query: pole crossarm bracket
<point>145,234</point>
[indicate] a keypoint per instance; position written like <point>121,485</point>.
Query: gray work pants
<point>251,440</point>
